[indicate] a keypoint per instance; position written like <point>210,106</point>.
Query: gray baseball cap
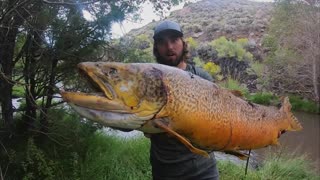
<point>167,26</point>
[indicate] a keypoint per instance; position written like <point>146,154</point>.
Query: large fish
<point>155,98</point>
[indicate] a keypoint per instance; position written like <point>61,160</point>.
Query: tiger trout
<point>155,98</point>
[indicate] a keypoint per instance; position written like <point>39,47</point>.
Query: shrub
<point>212,68</point>
<point>263,98</point>
<point>300,104</point>
<point>235,85</point>
<point>226,48</point>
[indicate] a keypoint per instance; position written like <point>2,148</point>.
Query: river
<point>305,142</point>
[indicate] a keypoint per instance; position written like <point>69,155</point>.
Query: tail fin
<point>286,109</point>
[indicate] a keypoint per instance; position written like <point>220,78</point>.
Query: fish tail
<point>293,121</point>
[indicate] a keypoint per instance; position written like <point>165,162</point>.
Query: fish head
<point>124,95</point>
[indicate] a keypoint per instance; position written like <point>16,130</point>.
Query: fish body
<point>155,98</point>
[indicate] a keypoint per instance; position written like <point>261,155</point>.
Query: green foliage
<point>115,158</point>
<point>56,154</point>
<point>292,39</point>
<point>192,43</point>
<point>198,61</point>
<point>258,68</point>
<point>301,104</point>
<point>298,103</point>
<point>242,42</point>
<point>270,43</point>
<point>234,85</point>
<point>212,68</point>
<point>36,164</point>
<point>287,166</point>
<point>18,91</point>
<point>21,39</point>
<point>283,57</point>
<point>264,98</point>
<point>228,171</point>
<point>131,50</point>
<point>228,48</point>
<point>274,167</point>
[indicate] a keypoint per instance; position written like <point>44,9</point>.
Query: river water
<point>305,142</point>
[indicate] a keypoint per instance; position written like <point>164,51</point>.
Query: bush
<point>192,43</point>
<point>36,164</point>
<point>18,91</point>
<point>198,62</point>
<point>300,104</point>
<point>235,85</point>
<point>228,48</point>
<point>47,155</point>
<point>270,43</point>
<point>212,68</point>
<point>264,98</point>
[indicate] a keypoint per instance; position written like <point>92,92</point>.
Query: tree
<point>41,40</point>
<point>294,41</point>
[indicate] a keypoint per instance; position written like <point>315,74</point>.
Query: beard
<point>169,62</point>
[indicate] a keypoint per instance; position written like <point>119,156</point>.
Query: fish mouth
<point>101,96</point>
<point>100,88</point>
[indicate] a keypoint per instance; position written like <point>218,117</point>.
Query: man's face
<point>170,49</point>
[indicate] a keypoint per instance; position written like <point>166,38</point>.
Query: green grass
<point>300,104</point>
<point>115,158</point>
<point>264,98</point>
<point>297,103</point>
<point>274,167</point>
<point>234,85</point>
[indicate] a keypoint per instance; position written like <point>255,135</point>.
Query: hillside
<point>209,19</point>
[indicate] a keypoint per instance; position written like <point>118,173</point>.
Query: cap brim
<point>162,33</point>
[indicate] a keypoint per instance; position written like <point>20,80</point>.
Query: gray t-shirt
<point>171,160</point>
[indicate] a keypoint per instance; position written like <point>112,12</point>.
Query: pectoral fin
<point>239,154</point>
<point>182,139</point>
